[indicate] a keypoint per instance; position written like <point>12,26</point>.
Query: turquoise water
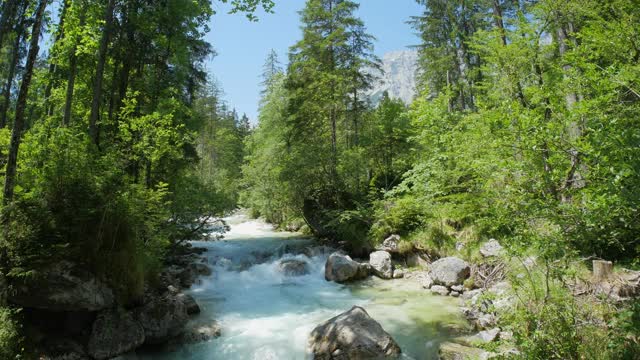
<point>265,315</point>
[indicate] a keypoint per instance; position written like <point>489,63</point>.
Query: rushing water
<point>266,315</point>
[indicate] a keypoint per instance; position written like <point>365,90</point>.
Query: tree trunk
<point>8,13</point>
<point>73,70</point>
<point>16,134</point>
<point>602,270</point>
<point>498,21</point>
<point>15,56</point>
<point>574,129</point>
<point>97,84</point>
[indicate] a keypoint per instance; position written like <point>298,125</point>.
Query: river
<point>265,315</point>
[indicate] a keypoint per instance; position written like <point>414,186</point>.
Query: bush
<point>73,206</point>
<point>397,216</point>
<point>10,334</point>
<point>549,322</point>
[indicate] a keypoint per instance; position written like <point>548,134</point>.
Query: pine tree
<point>334,51</point>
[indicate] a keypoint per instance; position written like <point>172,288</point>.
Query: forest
<point>117,148</point>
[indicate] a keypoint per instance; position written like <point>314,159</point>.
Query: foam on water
<point>267,315</point>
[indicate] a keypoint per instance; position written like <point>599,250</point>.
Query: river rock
<point>415,260</point>
<point>62,349</point>
<point>162,318</point>
<point>114,332</point>
<point>202,333</point>
<point>293,267</point>
<point>391,244</point>
<point>489,335</point>
<point>352,335</point>
<point>190,303</point>
<point>364,271</point>
<point>439,290</point>
<point>491,248</point>
<point>472,295</point>
<point>381,263</point>
<point>453,351</point>
<point>450,271</point>
<point>62,287</point>
<point>423,278</point>
<point>341,268</point>
<point>398,274</point>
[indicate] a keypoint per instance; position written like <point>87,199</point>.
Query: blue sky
<point>242,46</point>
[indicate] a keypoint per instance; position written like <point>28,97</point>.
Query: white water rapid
<point>266,315</point>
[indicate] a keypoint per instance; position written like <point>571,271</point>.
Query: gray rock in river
<point>341,268</point>
<point>414,259</point>
<point>352,335</point>
<point>163,318</point>
<point>62,287</point>
<point>449,271</point>
<point>439,290</point>
<point>381,263</point>
<point>192,306</point>
<point>114,332</point>
<point>453,351</point>
<point>201,333</point>
<point>292,267</point>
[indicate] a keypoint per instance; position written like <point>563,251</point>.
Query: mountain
<point>399,76</point>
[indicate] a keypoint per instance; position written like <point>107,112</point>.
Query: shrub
<point>397,216</point>
<point>10,334</point>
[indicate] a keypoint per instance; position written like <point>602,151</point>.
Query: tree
<point>334,51</point>
<point>16,134</point>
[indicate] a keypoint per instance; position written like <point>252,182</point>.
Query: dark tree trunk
<point>97,84</point>
<point>498,21</point>
<point>9,9</point>
<point>21,105</point>
<point>6,92</point>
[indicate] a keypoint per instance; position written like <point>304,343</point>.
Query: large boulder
<point>62,349</point>
<point>184,276</point>
<point>449,271</point>
<point>163,318</point>
<point>381,263</point>
<point>341,268</point>
<point>114,332</point>
<point>421,277</point>
<point>62,287</point>
<point>293,267</point>
<point>391,244</point>
<point>352,335</point>
<point>190,303</point>
<point>415,260</point>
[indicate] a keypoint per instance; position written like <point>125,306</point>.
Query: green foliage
<point>78,209</point>
<point>550,323</point>
<point>398,216</point>
<point>10,334</point>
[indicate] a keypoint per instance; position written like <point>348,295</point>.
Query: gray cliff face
<point>399,77</point>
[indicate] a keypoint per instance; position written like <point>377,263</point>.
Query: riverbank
<point>267,312</point>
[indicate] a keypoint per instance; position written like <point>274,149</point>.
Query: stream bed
<point>266,315</point>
